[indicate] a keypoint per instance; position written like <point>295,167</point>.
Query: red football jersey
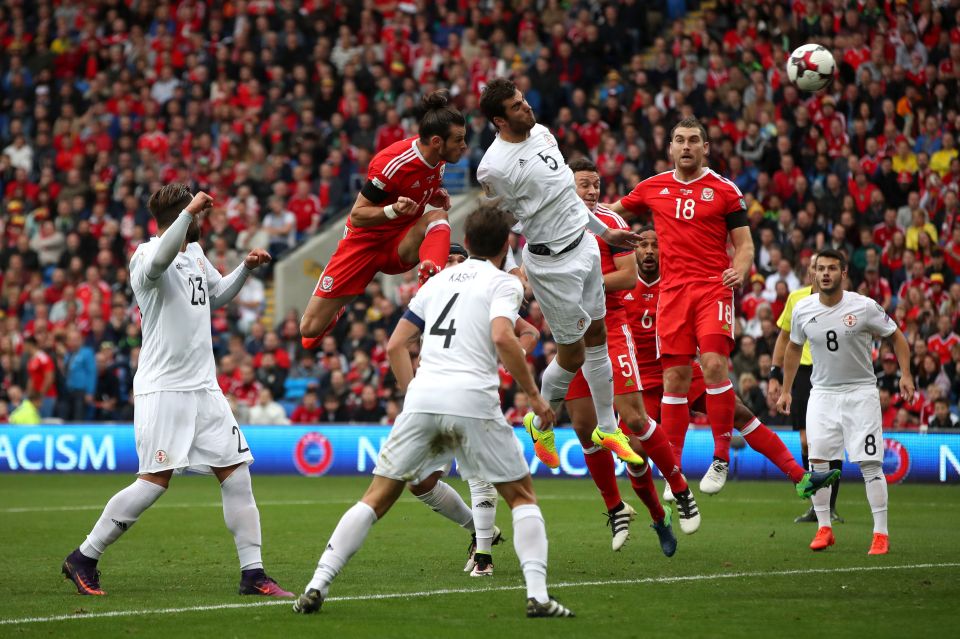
<point>400,169</point>
<point>691,222</point>
<point>607,255</point>
<point>641,308</point>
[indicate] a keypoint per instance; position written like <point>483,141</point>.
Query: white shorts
<point>569,288</point>
<point>848,419</point>
<point>420,443</point>
<point>192,430</point>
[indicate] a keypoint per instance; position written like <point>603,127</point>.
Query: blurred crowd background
<point>275,108</point>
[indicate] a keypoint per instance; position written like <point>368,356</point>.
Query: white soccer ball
<point>811,67</point>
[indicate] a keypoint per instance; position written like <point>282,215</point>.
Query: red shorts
<point>358,259</point>
<point>696,396</point>
<point>685,315</point>
<point>626,378</point>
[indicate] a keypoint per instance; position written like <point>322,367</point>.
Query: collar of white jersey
<point>416,150</point>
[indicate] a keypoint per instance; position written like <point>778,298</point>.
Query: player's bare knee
<point>715,368</point>
<point>161,479</point>
<point>571,356</point>
<point>425,486</point>
<point>596,334</point>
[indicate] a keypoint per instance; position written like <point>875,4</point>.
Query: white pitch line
<point>457,591</point>
<point>346,501</point>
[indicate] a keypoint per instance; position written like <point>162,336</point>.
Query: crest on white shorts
<point>326,283</point>
<point>707,195</point>
<point>581,323</point>
<point>160,456</point>
<point>850,320</point>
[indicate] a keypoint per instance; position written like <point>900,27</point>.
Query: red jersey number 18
<point>687,210</point>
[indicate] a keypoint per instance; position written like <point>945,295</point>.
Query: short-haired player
<point>844,410</point>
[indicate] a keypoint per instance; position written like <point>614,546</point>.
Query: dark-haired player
<point>642,303</point>
<point>181,418</point>
<point>695,211</point>
<point>524,169</point>
<point>388,231</point>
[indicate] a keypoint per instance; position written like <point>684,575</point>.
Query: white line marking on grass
<point>457,591</point>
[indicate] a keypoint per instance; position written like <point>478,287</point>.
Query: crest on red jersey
<point>707,195</point>
<point>326,283</point>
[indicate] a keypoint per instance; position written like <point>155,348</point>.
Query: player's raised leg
<point>428,243</point>
<point>767,443</point>
<point>120,514</point>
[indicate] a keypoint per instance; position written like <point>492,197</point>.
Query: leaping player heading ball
<point>388,230</point>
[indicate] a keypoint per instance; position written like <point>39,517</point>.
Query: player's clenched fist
<point>783,404</point>
<point>257,257</point>
<point>440,199</point>
<point>200,203</point>
<point>404,206</point>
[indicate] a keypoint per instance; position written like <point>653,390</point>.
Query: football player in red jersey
<point>641,304</point>
<point>695,210</point>
<point>619,268</point>
<point>388,231</point>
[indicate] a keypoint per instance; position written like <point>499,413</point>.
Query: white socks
<point>242,517</point>
<point>598,371</point>
<point>530,543</point>
<point>484,498</point>
<point>821,498</point>
<point>121,512</point>
<point>876,485</point>
<point>445,500</point>
<point>346,540</point>
<point>554,384</point>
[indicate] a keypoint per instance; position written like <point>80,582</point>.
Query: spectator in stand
<point>521,406</point>
<point>41,376</point>
<point>79,370</point>
<point>23,408</point>
<point>281,225</point>
<point>333,410</point>
<point>308,411</point>
<point>941,344</point>
<point>271,376</point>
<point>942,418</point>
<point>247,391</point>
<point>368,410</point>
<point>267,411</point>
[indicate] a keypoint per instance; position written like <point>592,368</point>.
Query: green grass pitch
<point>746,573</point>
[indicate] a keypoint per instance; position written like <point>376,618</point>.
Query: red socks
<point>436,243</point>
<point>603,471</point>
<point>765,441</point>
<point>646,491</point>
<point>721,404</point>
<point>675,419</point>
<point>658,449</point>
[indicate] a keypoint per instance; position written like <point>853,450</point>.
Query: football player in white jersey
<point>181,418</point>
<point>526,172</point>
<point>844,409</point>
<point>466,315</point>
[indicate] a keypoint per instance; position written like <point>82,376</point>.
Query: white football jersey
<point>532,181</point>
<point>458,373</point>
<point>841,338</point>
<point>177,349</point>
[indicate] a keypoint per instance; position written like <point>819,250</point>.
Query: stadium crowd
<point>275,109</point>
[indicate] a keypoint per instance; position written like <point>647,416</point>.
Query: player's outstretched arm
<point>512,356</point>
<point>527,334</point>
<point>368,213</point>
<point>624,278</point>
<point>791,362</point>
<point>224,289</point>
<point>902,350</point>
<point>398,353</point>
<point>776,363</point>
